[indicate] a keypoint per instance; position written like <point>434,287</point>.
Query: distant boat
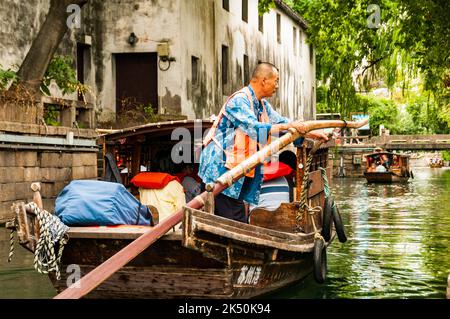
<point>436,163</point>
<point>387,167</point>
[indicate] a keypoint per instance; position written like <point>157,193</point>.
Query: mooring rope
<point>303,206</point>
<point>304,194</point>
<point>52,232</point>
<point>326,186</point>
<point>11,245</point>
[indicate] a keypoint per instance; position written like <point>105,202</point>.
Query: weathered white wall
<point>206,26</point>
<point>152,22</point>
<point>192,27</point>
<point>19,24</point>
<point>196,26</point>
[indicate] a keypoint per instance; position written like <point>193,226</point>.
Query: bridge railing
<point>358,139</point>
<point>410,139</point>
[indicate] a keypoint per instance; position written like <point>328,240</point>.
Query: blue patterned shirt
<point>238,115</point>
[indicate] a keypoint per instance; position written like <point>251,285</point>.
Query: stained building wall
<point>193,28</point>
<point>206,26</point>
<point>19,25</point>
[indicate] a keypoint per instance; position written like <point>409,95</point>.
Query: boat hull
<point>386,177</point>
<point>167,269</point>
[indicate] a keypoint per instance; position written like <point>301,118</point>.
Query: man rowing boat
<point>243,126</point>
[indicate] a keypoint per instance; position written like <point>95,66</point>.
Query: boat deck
<point>119,232</point>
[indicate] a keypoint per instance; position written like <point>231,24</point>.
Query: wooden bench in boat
<point>118,232</point>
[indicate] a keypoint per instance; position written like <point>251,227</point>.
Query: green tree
<point>412,37</point>
<point>34,66</point>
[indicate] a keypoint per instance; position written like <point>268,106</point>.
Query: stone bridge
<point>401,142</point>
<point>412,142</point>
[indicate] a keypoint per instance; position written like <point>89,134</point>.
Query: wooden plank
<point>121,232</point>
<point>317,184</point>
<point>234,229</point>
<point>238,225</point>
<point>159,282</point>
<point>281,219</point>
<point>257,241</point>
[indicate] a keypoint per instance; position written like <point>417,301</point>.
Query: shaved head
<point>263,70</point>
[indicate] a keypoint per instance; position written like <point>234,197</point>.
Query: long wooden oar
<point>94,278</point>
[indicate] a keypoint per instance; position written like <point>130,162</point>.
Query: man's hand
<point>318,135</point>
<point>299,126</point>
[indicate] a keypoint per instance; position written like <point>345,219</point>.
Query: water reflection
<point>18,279</point>
<point>399,240</point>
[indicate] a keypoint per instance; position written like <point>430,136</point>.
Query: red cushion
<point>152,180</point>
<point>276,169</point>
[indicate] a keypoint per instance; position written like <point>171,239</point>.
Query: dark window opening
<point>300,42</point>
<point>278,28</point>
<point>246,70</point>
<point>294,39</point>
<point>194,67</point>
<point>311,53</point>
<point>261,23</point>
<point>82,58</point>
<point>226,5</point>
<point>245,10</point>
<point>224,67</point>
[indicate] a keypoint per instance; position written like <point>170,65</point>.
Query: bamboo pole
<point>94,278</point>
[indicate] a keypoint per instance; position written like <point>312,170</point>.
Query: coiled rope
<point>52,233</point>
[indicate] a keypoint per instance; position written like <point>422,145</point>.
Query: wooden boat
<point>208,256</point>
<point>436,163</point>
<point>396,167</point>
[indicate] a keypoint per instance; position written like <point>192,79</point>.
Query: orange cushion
<point>152,180</point>
<point>276,169</point>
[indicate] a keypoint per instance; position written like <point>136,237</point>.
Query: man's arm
<point>283,124</point>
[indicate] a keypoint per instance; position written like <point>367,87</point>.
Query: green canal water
<point>398,245</point>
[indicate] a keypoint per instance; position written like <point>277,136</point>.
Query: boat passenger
<point>395,161</point>
<point>190,181</point>
<point>383,158</point>
<point>289,158</point>
<point>243,126</point>
<point>380,168</point>
<point>275,188</point>
<point>372,168</point>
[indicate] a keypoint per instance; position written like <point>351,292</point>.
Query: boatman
<point>243,127</point>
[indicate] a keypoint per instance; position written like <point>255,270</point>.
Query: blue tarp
<point>90,202</point>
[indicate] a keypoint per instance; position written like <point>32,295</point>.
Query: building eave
<point>291,13</point>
